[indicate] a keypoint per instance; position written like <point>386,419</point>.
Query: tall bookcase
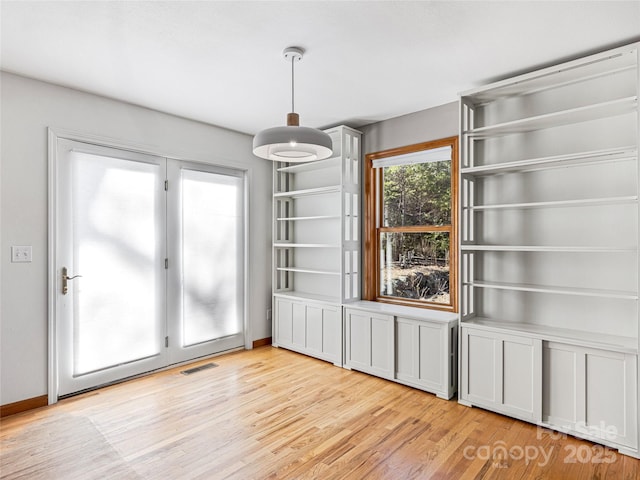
<point>316,247</point>
<point>549,247</point>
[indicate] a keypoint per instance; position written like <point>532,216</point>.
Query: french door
<point>149,263</point>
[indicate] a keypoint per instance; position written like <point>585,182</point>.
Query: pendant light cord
<point>292,85</point>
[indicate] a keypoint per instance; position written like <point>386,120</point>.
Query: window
<point>411,225</point>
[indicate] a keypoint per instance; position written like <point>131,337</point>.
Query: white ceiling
<point>220,62</point>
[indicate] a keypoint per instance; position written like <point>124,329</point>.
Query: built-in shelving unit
<point>316,247</point>
<point>549,247</point>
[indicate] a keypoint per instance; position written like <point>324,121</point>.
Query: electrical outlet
<point>21,253</point>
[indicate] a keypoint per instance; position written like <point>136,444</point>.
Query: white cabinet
<point>369,343</point>
<point>413,346</point>
<point>426,355</point>
<point>502,372</point>
<point>309,327</point>
<point>549,246</point>
<point>316,247</point>
<point>590,392</point>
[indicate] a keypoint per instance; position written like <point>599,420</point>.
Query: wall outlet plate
<point>21,253</point>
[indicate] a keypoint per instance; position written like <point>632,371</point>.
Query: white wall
<point>28,108</point>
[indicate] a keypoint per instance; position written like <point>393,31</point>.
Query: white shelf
<point>312,166</point>
<point>573,159</point>
<point>540,248</point>
<point>315,217</point>
<point>304,296</point>
<point>555,119</point>
<point>306,245</point>
<point>309,191</point>
<point>631,199</point>
<point>585,292</point>
<point>561,335</point>
<point>307,270</point>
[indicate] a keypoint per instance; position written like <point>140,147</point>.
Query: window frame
<point>373,205</point>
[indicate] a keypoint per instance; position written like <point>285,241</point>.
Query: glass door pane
<point>115,238</point>
<point>212,268</point>
<point>206,273</point>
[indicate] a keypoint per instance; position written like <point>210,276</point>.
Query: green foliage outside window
<point>418,194</point>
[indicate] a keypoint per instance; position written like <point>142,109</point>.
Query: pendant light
<point>292,143</point>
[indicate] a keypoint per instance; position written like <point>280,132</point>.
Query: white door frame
<point>57,133</point>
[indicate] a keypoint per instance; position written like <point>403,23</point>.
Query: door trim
<point>55,133</point>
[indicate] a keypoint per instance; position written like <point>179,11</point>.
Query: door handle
<point>65,279</point>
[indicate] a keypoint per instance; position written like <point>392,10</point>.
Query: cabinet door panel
<point>359,340</point>
<point>314,328</point>
<point>560,374</point>
<point>284,322</point>
<point>591,392</point>
<point>611,399</point>
<point>520,364</point>
<point>605,391</point>
<point>406,350</point>
<point>503,372</point>
<point>481,362</point>
<point>331,332</point>
<point>431,348</point>
<point>370,341</point>
<point>382,345</point>
<point>299,326</point>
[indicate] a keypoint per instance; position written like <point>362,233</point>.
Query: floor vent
<point>206,366</point>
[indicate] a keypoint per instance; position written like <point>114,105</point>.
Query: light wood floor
<point>270,413</point>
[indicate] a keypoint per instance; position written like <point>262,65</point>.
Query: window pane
<point>415,265</point>
<point>417,194</point>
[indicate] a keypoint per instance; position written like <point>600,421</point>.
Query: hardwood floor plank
<point>274,414</point>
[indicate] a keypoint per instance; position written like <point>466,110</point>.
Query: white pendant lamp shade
<point>292,143</point>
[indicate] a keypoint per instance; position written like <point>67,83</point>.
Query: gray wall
<point>28,108</point>
<point>423,126</point>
